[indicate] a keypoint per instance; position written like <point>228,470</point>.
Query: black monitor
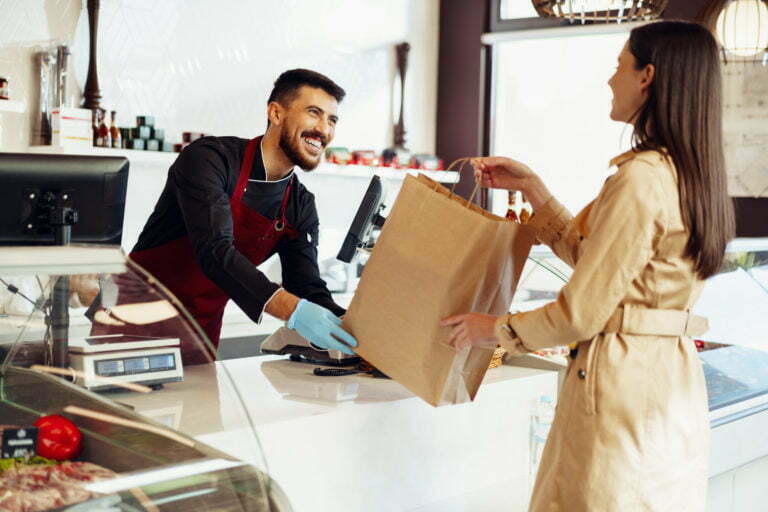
<point>367,217</point>
<point>58,199</point>
<point>41,193</point>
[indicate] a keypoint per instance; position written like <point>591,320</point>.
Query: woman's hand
<point>507,174</point>
<point>471,329</point>
<point>501,172</point>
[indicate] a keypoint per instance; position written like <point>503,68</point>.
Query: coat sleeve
<point>556,228</point>
<point>298,258</point>
<point>200,179</point>
<point>629,220</point>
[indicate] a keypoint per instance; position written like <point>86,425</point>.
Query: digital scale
<point>125,358</point>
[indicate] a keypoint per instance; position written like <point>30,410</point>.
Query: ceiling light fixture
<point>742,27</point>
<point>600,11</point>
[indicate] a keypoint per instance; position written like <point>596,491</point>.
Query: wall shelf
<point>165,159</point>
<point>18,107</point>
<point>362,171</point>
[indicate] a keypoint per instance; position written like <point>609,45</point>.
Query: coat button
<point>582,374</point>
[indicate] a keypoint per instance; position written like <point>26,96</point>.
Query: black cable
<point>13,289</point>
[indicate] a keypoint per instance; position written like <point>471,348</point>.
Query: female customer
<point>631,430</point>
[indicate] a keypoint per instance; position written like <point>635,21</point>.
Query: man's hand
<point>321,327</point>
<point>471,329</point>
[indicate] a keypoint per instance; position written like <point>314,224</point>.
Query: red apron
<point>174,263</point>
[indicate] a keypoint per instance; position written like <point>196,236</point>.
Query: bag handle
<point>462,162</point>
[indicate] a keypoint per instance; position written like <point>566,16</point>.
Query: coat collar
<point>631,154</point>
<point>622,158</point>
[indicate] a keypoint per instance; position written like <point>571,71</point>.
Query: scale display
<point>134,365</point>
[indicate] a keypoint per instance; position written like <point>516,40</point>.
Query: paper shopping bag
<point>437,255</point>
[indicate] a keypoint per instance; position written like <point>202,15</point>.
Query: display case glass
<point>734,351</point>
<point>540,281</point>
<point>83,333</point>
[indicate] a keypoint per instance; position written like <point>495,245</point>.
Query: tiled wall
<point>745,128</point>
<point>205,65</point>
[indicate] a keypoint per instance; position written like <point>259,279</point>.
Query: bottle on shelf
<point>95,126</point>
<point>125,137</point>
<point>525,210</point>
<point>542,416</point>
<point>114,131</point>
<point>104,136</point>
<point>512,206</point>
<point>5,93</point>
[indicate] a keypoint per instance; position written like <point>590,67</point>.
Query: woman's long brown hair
<point>683,113</point>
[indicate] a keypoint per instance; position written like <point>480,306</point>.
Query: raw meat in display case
<point>45,486</point>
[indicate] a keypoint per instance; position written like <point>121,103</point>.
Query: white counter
<point>357,443</point>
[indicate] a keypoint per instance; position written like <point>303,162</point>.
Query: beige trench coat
<point>631,431</point>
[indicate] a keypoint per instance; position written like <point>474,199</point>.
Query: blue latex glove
<point>321,327</point>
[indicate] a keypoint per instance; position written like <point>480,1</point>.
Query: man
<point>229,204</point>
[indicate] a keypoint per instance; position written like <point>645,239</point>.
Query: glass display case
<point>83,331</point>
<point>734,351</point>
<point>540,281</point>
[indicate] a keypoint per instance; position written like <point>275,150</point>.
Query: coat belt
<point>656,322</point>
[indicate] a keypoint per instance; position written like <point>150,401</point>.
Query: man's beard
<point>291,149</point>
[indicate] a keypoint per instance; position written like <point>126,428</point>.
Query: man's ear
<point>275,113</point>
<point>646,79</point>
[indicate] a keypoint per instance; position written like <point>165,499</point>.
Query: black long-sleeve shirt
<point>195,202</point>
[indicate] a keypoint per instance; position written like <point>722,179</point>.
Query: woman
<point>631,430</point>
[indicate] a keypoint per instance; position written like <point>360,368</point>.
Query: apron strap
<point>245,171</point>
<point>281,221</point>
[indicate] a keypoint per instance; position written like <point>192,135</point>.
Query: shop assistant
<point>231,203</point>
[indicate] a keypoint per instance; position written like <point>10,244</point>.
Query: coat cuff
<point>507,337</point>
<point>550,221</point>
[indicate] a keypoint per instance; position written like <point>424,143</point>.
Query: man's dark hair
<point>288,84</point>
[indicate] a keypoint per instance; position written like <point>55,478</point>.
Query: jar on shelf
<point>5,91</point>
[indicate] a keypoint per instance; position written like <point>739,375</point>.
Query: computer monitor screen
<point>366,218</point>
<point>33,187</point>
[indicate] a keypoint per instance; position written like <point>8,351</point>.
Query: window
<point>516,9</point>
<point>551,105</point>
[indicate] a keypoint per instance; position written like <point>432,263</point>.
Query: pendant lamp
<point>600,11</point>
<point>742,29</point>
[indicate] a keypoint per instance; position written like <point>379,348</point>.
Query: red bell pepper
<point>57,438</point>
